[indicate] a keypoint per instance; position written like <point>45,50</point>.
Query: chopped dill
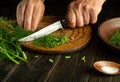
<point>51,60</point>
<point>50,40</point>
<point>67,57</point>
<point>83,59</point>
<point>36,56</point>
<point>115,38</point>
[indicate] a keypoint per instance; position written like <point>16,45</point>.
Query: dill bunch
<point>10,47</point>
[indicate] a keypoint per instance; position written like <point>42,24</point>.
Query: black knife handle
<point>63,22</point>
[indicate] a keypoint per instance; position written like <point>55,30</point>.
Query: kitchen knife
<point>45,31</point>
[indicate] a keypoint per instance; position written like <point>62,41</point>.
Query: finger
<point>86,16</point>
<point>71,19</point>
<point>20,13</point>
<point>36,17</point>
<point>28,16</point>
<point>93,17</point>
<point>79,17</point>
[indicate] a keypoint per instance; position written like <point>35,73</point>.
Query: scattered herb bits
<point>51,60</point>
<point>83,59</point>
<point>67,57</point>
<point>36,56</point>
<point>50,41</point>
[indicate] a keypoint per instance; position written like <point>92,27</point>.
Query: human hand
<point>29,13</point>
<point>83,12</point>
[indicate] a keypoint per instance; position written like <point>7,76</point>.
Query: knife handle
<point>63,22</point>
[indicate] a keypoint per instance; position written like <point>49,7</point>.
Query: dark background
<point>53,7</point>
<point>57,7</point>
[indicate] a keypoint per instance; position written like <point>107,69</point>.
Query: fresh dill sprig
<point>10,47</point>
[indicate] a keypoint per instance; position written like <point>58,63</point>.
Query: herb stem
<point>6,23</point>
<point>5,52</point>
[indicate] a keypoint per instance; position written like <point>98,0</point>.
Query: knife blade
<point>45,31</point>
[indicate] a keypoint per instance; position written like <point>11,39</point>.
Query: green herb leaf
<point>83,59</point>
<point>50,41</point>
<point>115,38</point>
<point>67,57</point>
<point>51,60</point>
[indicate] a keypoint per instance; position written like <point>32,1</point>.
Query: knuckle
<point>78,5</point>
<point>75,4</point>
<point>79,24</point>
<point>86,22</point>
<point>86,7</point>
<point>71,24</point>
<point>94,21</point>
<point>93,9</point>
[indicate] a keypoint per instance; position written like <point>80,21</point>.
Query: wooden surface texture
<point>81,37</point>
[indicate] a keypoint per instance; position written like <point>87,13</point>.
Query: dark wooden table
<point>63,70</point>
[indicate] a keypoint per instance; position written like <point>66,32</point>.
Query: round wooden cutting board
<point>78,38</point>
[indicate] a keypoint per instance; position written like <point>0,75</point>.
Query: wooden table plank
<point>32,71</point>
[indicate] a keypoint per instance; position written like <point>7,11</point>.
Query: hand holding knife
<point>46,30</point>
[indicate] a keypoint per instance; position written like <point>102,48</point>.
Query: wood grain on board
<point>78,38</point>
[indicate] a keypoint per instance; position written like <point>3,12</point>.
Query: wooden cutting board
<point>78,38</point>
